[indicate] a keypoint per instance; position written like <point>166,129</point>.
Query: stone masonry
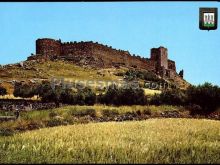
<point>103,56</point>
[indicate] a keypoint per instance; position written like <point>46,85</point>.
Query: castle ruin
<point>103,56</point>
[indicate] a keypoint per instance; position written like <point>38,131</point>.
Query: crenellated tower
<point>48,47</point>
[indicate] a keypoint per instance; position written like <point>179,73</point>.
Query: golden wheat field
<point>149,141</point>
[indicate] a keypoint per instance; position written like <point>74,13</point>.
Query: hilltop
<point>88,61</point>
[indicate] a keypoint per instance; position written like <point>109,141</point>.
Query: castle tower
<point>48,47</point>
<point>160,55</point>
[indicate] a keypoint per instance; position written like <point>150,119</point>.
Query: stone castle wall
<point>171,65</point>
<point>102,55</point>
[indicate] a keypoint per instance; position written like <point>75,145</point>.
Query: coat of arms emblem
<point>208,18</point>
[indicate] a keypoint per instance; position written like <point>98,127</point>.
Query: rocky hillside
<point>37,70</point>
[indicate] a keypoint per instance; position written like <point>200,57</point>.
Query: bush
<point>147,111</point>
<point>170,97</point>
<point>194,109</point>
<point>3,91</point>
<point>207,96</point>
<point>56,93</point>
<point>24,90</point>
<point>47,93</point>
<point>88,97</point>
<point>68,96</point>
<point>123,96</point>
<point>82,97</point>
<point>144,75</point>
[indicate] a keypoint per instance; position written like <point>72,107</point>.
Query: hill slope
<point>40,70</point>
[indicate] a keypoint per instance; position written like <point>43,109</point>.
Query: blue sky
<point>133,26</point>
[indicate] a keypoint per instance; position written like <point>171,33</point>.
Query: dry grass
<point>151,92</point>
<point>150,141</point>
<point>11,96</point>
<point>51,69</point>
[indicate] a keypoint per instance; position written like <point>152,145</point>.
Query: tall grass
<point>150,141</point>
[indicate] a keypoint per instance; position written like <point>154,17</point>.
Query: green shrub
<point>49,93</point>
<point>207,96</point>
<point>57,94</point>
<point>170,97</point>
<point>195,109</point>
<point>87,96</point>
<point>68,96</point>
<point>83,96</point>
<point>24,90</point>
<point>3,91</point>
<point>124,96</point>
<point>144,75</point>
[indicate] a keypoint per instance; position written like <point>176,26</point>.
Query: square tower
<point>160,55</point>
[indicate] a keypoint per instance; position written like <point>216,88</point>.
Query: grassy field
<point>150,141</point>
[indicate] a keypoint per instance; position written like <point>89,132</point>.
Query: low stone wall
<point>24,105</point>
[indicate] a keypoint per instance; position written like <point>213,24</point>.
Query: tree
<point>83,96</point>
<point>3,91</point>
<point>24,90</point>
<point>47,93</point>
<point>124,96</point>
<point>207,96</point>
<point>181,73</point>
<point>170,97</point>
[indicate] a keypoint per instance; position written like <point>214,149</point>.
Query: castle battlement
<point>103,55</point>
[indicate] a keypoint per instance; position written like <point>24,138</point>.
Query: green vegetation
<point>144,75</point>
<point>56,93</point>
<point>128,94</point>
<point>83,96</point>
<point>170,97</point>
<point>24,90</point>
<point>207,96</point>
<point>3,91</point>
<point>75,115</point>
<point>150,141</point>
<point>124,96</point>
